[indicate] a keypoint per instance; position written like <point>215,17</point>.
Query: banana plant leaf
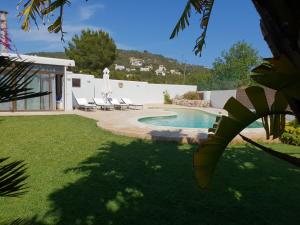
<point>279,74</point>
<point>205,159</point>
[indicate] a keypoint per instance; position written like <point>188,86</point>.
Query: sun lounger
<point>117,104</point>
<point>84,104</point>
<point>102,104</point>
<point>131,104</point>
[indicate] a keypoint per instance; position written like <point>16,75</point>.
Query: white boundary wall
<point>219,98</point>
<point>138,92</point>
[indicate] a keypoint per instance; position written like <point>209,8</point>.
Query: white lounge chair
<point>131,104</point>
<point>117,104</point>
<point>84,104</point>
<point>102,104</point>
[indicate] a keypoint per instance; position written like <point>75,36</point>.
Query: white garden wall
<point>86,89</point>
<point>219,98</point>
<point>138,92</point>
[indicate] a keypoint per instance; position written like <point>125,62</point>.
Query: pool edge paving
<point>126,123</point>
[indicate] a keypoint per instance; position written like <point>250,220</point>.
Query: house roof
<point>41,60</point>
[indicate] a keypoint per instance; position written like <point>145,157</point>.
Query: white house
<point>161,71</point>
<point>146,68</point>
<point>50,76</point>
<point>119,67</point>
<point>136,62</point>
<point>175,72</point>
<point>65,87</point>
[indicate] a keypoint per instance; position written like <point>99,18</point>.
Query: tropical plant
<point>167,98</point>
<point>291,134</point>
<point>92,51</point>
<point>32,10</point>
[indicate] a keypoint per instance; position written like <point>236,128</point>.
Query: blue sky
<point>146,25</point>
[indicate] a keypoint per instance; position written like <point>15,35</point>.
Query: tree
<point>233,68</point>
<point>92,51</point>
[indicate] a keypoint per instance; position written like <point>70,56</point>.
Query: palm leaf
<point>203,7</point>
<point>276,73</point>
<point>227,127</point>
<point>34,9</point>
<point>31,11</point>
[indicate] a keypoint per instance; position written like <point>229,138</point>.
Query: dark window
<point>75,82</point>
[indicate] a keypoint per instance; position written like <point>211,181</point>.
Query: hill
<point>155,60</point>
<point>130,63</point>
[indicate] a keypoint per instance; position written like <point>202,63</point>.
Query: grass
<point>80,174</point>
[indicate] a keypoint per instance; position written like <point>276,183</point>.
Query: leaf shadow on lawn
<point>153,183</point>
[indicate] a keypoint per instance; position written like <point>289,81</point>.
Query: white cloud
<point>49,41</point>
<point>86,12</point>
<point>124,46</point>
<point>43,35</point>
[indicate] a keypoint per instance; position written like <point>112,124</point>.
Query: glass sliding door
<point>40,83</point>
<point>35,86</point>
<point>46,80</point>
<point>45,86</point>
<point>20,104</point>
<point>5,106</point>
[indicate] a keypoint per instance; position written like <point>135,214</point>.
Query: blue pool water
<point>188,118</point>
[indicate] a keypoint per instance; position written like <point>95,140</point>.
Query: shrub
<point>191,95</point>
<point>167,98</point>
<point>291,134</point>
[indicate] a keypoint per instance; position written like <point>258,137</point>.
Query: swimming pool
<point>188,118</point>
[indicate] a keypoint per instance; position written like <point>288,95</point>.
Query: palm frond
<point>35,9</point>
<point>203,7</point>
<point>31,11</point>
<point>12,177</point>
<point>227,127</point>
<point>16,76</point>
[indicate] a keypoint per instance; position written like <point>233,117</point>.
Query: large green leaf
<point>227,127</point>
<point>279,74</point>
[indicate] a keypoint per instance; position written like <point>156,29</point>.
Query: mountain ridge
<point>123,58</point>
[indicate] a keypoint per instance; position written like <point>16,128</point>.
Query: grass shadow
<point>177,136</point>
<point>153,183</point>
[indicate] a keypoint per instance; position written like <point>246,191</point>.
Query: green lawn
<point>80,174</point>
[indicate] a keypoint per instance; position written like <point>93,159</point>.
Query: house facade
<point>119,67</point>
<point>50,76</point>
<point>161,71</point>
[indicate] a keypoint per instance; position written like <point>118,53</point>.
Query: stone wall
<point>191,103</point>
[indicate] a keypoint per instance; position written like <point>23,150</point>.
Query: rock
<point>191,103</point>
